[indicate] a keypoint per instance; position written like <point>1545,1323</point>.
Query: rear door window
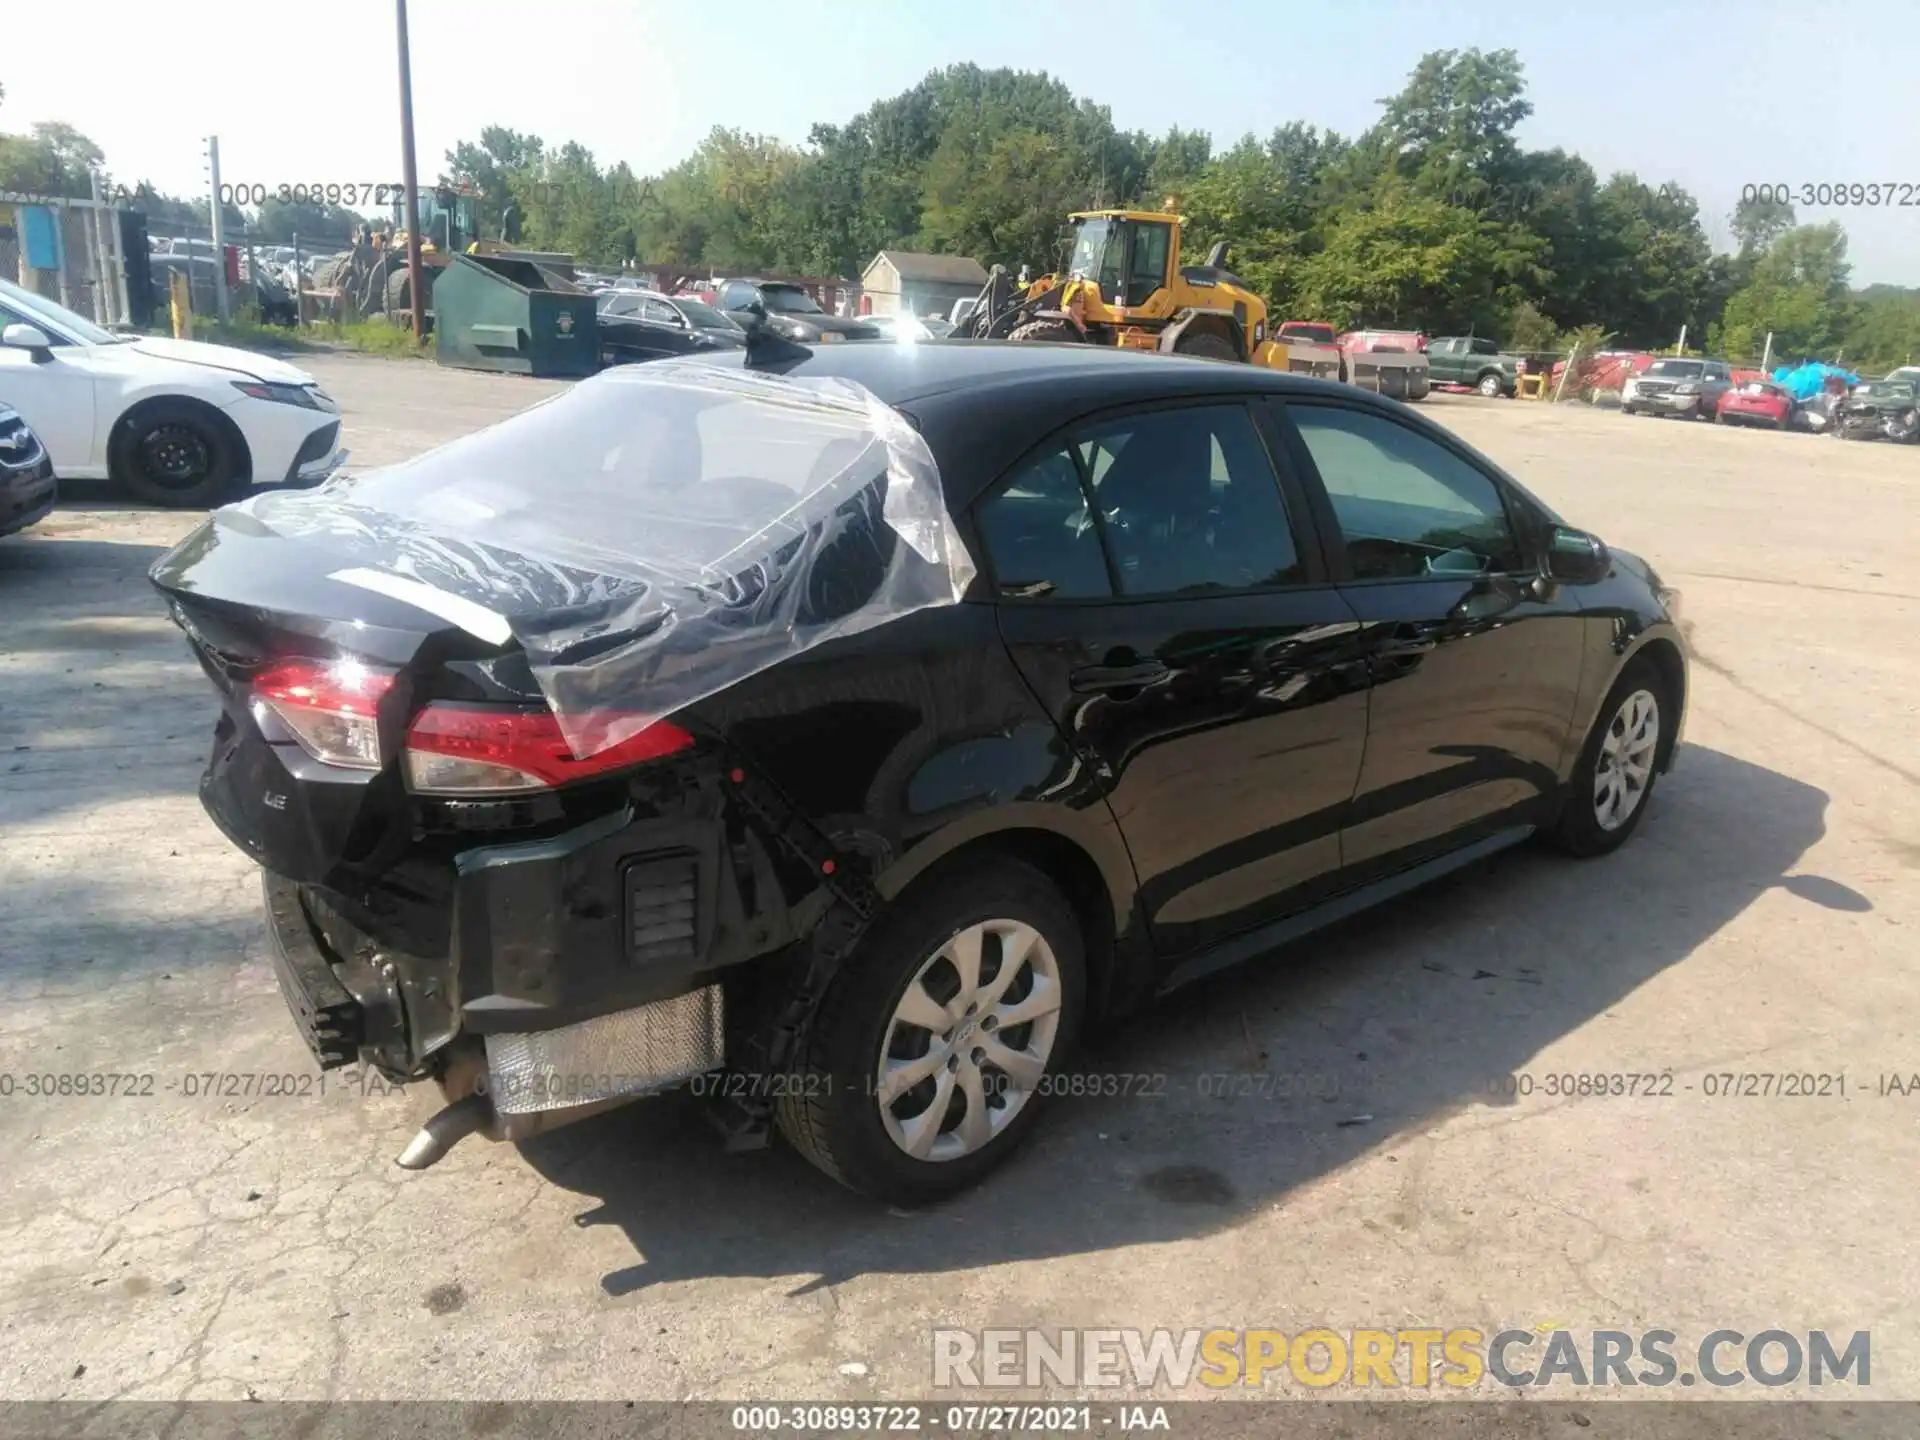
<point>1189,502</point>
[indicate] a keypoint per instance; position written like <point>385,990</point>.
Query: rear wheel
<point>1618,767</point>
<point>1207,345</point>
<point>175,453</point>
<point>1052,331</point>
<point>932,1051</point>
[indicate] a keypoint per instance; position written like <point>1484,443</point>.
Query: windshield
<point>1099,246</point>
<point>1677,369</point>
<point>1886,390</point>
<point>789,300</point>
<point>38,307</point>
<point>704,316</point>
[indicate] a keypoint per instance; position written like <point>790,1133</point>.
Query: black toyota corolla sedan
<point>842,732</point>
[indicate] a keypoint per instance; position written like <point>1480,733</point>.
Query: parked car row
<point>639,324</point>
<point>1704,389</point>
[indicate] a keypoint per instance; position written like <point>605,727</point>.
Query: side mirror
<point>28,337</point>
<point>1577,558</point>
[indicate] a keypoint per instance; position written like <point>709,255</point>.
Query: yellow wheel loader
<point>1123,284</point>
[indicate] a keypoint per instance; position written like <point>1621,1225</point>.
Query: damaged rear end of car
<point>461,731</point>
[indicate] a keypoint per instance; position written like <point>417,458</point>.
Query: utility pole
<point>410,179</point>
<point>219,231</point>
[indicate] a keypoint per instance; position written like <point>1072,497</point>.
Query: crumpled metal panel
<point>630,1052</point>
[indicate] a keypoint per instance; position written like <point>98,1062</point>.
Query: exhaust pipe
<point>445,1130</point>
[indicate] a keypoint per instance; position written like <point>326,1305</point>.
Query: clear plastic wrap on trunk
<point>652,535</point>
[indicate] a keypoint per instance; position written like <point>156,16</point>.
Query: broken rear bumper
<point>507,1084</point>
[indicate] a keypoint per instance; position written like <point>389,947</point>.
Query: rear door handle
<point>1090,679</point>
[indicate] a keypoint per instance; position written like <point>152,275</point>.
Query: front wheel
<point>175,453</point>
<point>934,1048</point>
<point>1059,332</point>
<point>1206,345</point>
<point>1618,766</point>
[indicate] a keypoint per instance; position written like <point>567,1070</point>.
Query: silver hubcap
<point>1626,760</point>
<point>969,1041</point>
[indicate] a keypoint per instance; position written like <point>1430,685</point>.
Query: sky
<point>1710,95</point>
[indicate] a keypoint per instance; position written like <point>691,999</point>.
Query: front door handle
<point>1091,679</point>
<point>1412,638</point>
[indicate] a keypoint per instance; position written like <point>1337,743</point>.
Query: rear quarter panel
<point>917,738</point>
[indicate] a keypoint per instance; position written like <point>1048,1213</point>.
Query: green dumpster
<point>508,313</point>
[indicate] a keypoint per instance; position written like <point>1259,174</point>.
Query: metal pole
<point>1565,371</point>
<point>1766,354</point>
<point>253,271</point>
<point>299,286</point>
<point>1683,341</point>
<point>60,250</point>
<point>96,262</point>
<point>219,232</point>
<point>410,178</point>
<point>110,217</point>
<point>120,268</point>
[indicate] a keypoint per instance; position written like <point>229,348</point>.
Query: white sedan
<point>173,421</point>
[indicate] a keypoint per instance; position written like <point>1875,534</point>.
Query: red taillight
<point>331,706</point>
<point>482,749</point>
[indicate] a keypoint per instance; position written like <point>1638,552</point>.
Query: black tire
<point>177,453</point>
<point>1490,385</point>
<point>1054,332</point>
<point>1207,346</point>
<point>831,1114</point>
<point>1578,830</point>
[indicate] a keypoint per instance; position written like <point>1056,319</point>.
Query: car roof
<point>983,404</point>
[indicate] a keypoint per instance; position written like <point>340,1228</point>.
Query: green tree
<point>1758,222</point>
<point>1798,292</point>
<point>490,168</point>
<point>1649,262</point>
<point>1452,125</point>
<point>1407,259</point>
<point>1885,332</point>
<point>279,221</point>
<point>52,158</point>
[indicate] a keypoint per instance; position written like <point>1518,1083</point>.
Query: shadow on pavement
<point>103,701</point>
<point>1257,1081</point>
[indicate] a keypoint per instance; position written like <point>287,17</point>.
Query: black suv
<point>1244,652</point>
